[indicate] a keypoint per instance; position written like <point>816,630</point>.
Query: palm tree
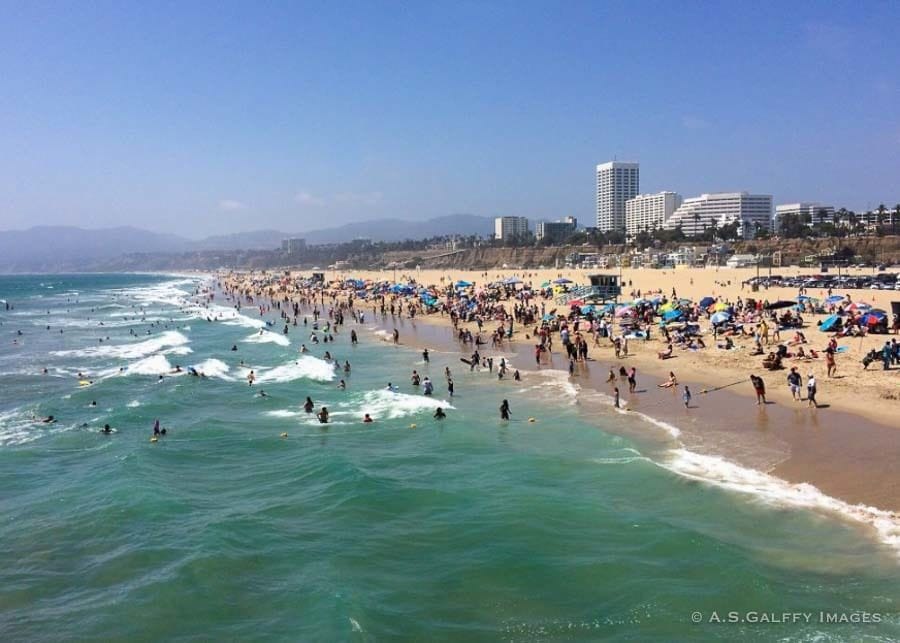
<point>696,223</point>
<point>882,215</point>
<point>894,219</point>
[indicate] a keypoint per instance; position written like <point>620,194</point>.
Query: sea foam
<point>774,491</point>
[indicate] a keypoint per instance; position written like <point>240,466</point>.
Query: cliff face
<point>486,257</point>
<point>793,251</point>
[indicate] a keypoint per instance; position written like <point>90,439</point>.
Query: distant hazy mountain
<point>51,247</point>
<point>255,240</point>
<point>61,248</point>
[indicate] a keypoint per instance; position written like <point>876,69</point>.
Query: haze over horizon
<point>207,119</point>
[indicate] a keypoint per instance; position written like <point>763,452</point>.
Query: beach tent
<point>873,318</point>
<point>783,303</point>
<point>720,317</point>
<point>512,280</point>
<point>829,323</point>
<point>463,284</point>
<point>666,306</point>
<point>706,302</point>
<point>672,315</point>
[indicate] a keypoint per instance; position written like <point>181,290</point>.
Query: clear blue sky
<point>202,118</point>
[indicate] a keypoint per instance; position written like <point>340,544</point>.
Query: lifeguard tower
<point>602,289</point>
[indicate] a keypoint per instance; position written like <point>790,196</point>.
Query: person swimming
<point>308,406</point>
<point>439,414</point>
<point>368,419</point>
<point>106,429</point>
<point>391,387</point>
<point>93,403</point>
<point>49,420</point>
<point>342,385</point>
<point>262,393</point>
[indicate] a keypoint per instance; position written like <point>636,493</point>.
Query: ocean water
<point>465,529</point>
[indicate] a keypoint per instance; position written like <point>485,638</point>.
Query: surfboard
<point>465,361</point>
<point>84,382</point>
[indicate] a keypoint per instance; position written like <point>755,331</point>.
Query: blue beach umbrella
<point>463,284</point>
<point>562,280</point>
<point>720,317</point>
<point>706,302</point>
<point>672,315</point>
<point>834,299</point>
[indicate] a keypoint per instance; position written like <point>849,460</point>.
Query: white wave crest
<point>387,405</point>
<point>775,491</point>
<point>268,337</point>
<point>153,365</point>
<point>307,367</point>
<point>138,350</point>
<point>213,368</point>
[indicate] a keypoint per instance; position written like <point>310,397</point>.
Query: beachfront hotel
<point>555,231</point>
<point>617,182</point>
<point>752,212</point>
<point>807,213</point>
<point>510,227</point>
<point>649,211</point>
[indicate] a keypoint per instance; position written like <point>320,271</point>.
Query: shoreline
<point>772,427</point>
<point>753,460</point>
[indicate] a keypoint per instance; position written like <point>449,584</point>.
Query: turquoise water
<point>466,529</point>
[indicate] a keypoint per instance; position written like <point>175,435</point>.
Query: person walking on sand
<point>794,381</point>
<point>811,391</point>
<point>686,396</point>
<point>632,381</point>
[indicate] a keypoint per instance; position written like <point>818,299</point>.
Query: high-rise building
<point>555,231</point>
<point>293,246</point>
<point>808,213</point>
<point>510,227</point>
<point>649,211</point>
<point>752,212</point>
<point>616,183</point>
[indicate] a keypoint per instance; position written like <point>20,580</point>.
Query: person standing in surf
<point>504,410</point>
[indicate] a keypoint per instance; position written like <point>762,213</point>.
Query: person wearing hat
<point>811,391</point>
